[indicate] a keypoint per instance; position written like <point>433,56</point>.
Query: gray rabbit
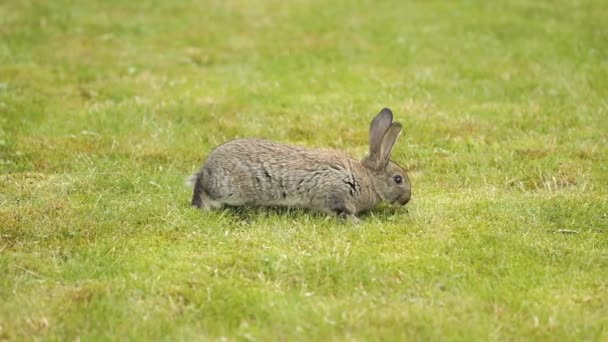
<point>263,173</point>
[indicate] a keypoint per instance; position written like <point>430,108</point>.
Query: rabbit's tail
<point>191,180</point>
<point>195,183</point>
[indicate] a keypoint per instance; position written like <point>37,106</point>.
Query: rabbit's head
<point>389,179</point>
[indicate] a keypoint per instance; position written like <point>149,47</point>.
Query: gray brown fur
<point>264,173</point>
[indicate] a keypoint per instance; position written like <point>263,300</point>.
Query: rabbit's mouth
<point>402,200</point>
<point>399,203</point>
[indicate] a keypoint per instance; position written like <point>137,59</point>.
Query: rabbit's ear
<point>388,141</point>
<point>379,125</point>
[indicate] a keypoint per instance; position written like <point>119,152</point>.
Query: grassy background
<point>105,107</point>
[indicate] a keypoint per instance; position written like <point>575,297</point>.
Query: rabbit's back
<point>261,172</point>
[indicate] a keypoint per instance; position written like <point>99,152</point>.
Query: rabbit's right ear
<point>379,126</point>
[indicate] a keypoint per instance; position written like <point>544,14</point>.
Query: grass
<point>106,106</point>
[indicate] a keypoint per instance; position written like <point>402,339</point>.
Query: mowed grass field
<point>106,107</point>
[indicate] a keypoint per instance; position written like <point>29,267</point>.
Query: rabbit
<point>260,172</point>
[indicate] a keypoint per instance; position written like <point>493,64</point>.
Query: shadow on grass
<point>249,214</point>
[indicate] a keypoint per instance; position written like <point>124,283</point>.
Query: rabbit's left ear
<point>377,129</point>
<point>388,141</point>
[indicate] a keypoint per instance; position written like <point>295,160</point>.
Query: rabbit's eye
<point>398,179</point>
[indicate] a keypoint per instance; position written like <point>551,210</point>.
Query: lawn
<point>107,106</point>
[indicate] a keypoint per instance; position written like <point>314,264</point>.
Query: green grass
<point>106,106</point>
